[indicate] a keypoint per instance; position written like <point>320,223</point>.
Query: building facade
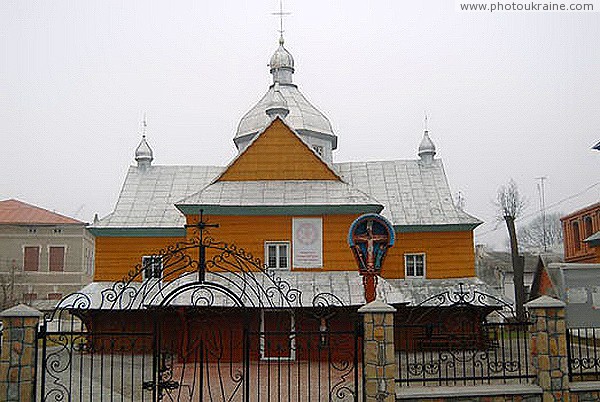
<point>581,231</point>
<point>43,255</point>
<point>286,200</point>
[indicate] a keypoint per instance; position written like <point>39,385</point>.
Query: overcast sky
<point>509,94</point>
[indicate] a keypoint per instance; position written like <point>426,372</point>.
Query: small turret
<point>277,105</point>
<point>426,148</point>
<point>282,64</point>
<point>143,153</point>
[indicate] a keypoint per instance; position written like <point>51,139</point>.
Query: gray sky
<point>509,94</point>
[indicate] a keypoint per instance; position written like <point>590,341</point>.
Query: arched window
<point>589,230</point>
<point>576,236</point>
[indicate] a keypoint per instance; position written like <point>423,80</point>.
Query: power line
<point>557,203</point>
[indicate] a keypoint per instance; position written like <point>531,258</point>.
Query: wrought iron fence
<point>583,349</point>
<point>472,353</point>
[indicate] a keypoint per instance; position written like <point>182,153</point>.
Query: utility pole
<point>542,197</point>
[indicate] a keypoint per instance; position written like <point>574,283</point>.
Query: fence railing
<point>583,348</point>
<point>481,353</point>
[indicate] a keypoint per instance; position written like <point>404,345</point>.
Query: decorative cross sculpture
<point>201,226</point>
<point>369,238</point>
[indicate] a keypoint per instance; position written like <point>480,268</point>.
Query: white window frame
<point>153,257</point>
<point>414,255</point>
<point>278,256</point>
<point>292,335</point>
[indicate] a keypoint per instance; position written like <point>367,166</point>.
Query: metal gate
<point>201,320</point>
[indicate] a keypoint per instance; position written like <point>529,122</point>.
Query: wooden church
<point>288,205</point>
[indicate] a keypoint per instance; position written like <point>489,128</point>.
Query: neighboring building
<point>495,268</point>
<point>43,255</point>
<point>582,235</point>
<point>578,285</point>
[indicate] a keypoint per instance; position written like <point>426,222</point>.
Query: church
<point>285,204</point>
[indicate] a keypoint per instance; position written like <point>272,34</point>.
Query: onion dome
<point>143,154</point>
<point>426,148</point>
<point>312,125</point>
<point>282,64</point>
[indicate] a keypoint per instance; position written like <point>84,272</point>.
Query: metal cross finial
<point>281,14</point>
<point>201,226</point>
<point>426,122</point>
<point>144,125</point>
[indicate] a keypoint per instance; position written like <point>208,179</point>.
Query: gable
<point>278,154</point>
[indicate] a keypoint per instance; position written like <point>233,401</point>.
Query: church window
<point>414,265</point>
<point>152,265</point>
<point>277,254</point>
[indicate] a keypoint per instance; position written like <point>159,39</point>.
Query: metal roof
<point>282,289</point>
<point>255,289</point>
<point>411,192</point>
<point>302,114</point>
<point>147,198</point>
<point>423,291</point>
<point>279,193</point>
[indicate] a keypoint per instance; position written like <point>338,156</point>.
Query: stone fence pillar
<point>379,354</point>
<point>548,347</point>
<point>17,359</point>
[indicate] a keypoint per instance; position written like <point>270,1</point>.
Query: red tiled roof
<point>17,212</point>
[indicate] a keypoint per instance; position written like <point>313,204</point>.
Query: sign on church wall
<point>307,242</point>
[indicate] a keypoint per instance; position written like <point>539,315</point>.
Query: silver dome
<point>303,117</point>
<point>281,58</point>
<point>426,148</point>
<point>143,153</point>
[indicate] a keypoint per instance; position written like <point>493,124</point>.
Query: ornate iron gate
<point>199,321</point>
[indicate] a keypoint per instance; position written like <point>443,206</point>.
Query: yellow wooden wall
<point>115,256</point>
<point>251,232</point>
<point>448,254</point>
<point>278,154</point>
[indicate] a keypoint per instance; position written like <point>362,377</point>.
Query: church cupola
<point>426,148</point>
<point>143,154</point>
<point>282,64</point>
<point>277,105</point>
<point>284,99</point>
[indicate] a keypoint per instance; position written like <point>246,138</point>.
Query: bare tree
<point>511,205</point>
<point>533,238</point>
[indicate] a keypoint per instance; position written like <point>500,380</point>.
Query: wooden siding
<point>251,233</point>
<point>448,254</point>
<point>115,256</point>
<point>278,154</point>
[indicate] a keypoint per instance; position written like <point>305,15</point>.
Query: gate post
<point>379,357</point>
<point>17,360</point>
<point>548,346</point>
